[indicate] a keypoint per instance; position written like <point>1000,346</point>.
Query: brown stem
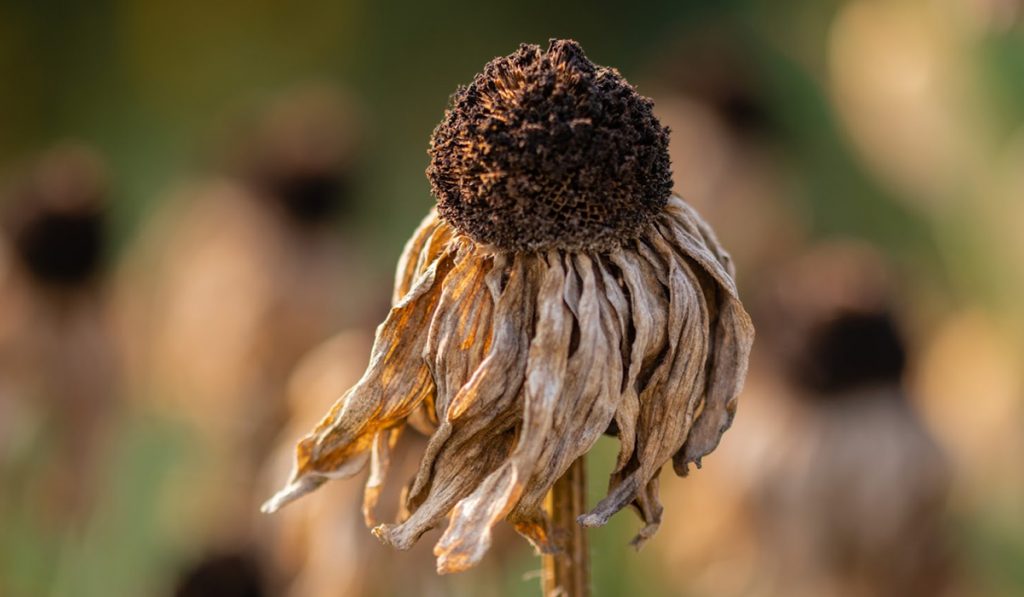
<point>567,573</point>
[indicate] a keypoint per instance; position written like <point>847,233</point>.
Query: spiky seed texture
<point>547,150</point>
<point>520,334</point>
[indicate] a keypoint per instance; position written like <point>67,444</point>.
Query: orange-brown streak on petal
<point>455,345</point>
<point>396,379</point>
<point>421,250</point>
<point>469,532</point>
<point>477,429</point>
<point>406,272</point>
<point>435,244</point>
<point>498,378</point>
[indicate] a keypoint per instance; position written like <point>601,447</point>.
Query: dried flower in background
<point>58,359</point>
<point>558,291</point>
<point>231,283</point>
<point>728,147</point>
<point>850,499</point>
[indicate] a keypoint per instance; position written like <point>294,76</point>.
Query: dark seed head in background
<point>57,219</point>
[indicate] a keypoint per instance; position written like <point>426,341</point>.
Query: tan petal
<point>669,398</point>
<point>648,308</point>
<point>476,428</point>
<point>426,245</point>
<point>409,263</point>
<point>469,533</point>
<point>590,394</point>
<point>393,385</point>
<point>732,334</point>
<point>733,338</point>
<point>460,330</point>
<point>380,461</point>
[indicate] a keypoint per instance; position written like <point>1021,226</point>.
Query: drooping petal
<point>669,398</point>
<point>648,309</point>
<point>515,363</point>
<point>393,385</point>
<point>732,343</point>
<point>590,394</point>
<point>469,533</point>
<point>460,331</point>
<point>476,428</point>
<point>421,250</point>
<point>732,332</point>
<point>380,461</point>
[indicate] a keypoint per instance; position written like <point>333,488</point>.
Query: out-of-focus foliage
<point>898,124</point>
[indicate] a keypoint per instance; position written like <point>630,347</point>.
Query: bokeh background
<point>201,205</point>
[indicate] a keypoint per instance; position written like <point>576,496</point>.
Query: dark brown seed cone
<point>546,150</point>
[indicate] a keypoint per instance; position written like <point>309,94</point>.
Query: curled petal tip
<point>392,535</point>
<point>381,532</point>
<point>452,563</point>
<point>291,492</point>
<point>644,535</point>
<point>443,567</point>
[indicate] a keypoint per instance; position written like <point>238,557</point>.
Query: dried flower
<point>59,363</point>
<point>851,498</point>
<point>241,237</point>
<point>557,292</point>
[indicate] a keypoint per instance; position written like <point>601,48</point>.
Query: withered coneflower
<point>59,364</point>
<point>851,499</point>
<point>558,291</point>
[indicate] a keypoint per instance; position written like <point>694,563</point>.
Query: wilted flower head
<point>557,292</point>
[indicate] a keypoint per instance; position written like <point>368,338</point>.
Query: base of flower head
<point>523,360</point>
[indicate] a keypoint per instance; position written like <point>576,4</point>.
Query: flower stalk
<point>567,572</point>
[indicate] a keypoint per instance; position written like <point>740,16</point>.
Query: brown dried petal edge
<point>517,362</point>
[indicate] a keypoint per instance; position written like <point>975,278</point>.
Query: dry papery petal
<point>516,363</point>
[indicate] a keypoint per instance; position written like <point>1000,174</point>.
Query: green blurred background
<point>897,123</point>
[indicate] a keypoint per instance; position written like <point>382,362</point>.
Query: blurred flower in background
<point>850,495</point>
<point>728,154</point>
<point>58,357</point>
<point>230,283</point>
<point>841,489</point>
<point>895,127</point>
